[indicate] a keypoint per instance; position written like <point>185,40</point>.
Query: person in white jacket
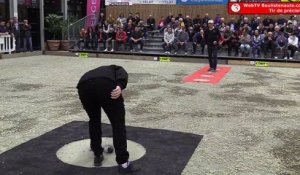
<point>293,44</point>
<point>168,40</point>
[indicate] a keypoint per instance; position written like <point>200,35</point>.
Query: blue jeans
<point>28,44</point>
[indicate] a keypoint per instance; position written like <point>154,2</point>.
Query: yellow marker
<point>83,55</point>
<point>261,64</point>
<point>164,59</point>
<point>290,0</point>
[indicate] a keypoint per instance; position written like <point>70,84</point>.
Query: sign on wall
<point>118,2</point>
<point>92,11</point>
<point>199,2</point>
<point>154,1</point>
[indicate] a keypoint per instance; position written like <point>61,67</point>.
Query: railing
<point>74,28</point>
<point>7,44</point>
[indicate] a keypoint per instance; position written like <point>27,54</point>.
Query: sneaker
<point>175,53</point>
<point>285,58</point>
<point>105,50</point>
<point>276,57</point>
<point>141,51</point>
<point>131,50</point>
<point>213,70</point>
<point>128,170</point>
<point>166,52</point>
<point>210,69</point>
<point>291,58</point>
<point>98,160</point>
<point>112,50</point>
<point>185,53</point>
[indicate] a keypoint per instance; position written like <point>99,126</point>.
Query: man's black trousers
<point>94,95</point>
<point>212,56</point>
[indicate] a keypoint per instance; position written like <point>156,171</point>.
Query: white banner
<point>154,1</point>
<point>118,2</point>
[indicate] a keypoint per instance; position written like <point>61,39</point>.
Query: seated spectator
<point>188,22</point>
<point>136,19</point>
<point>168,18</point>
<point>269,43</point>
<point>293,44</point>
<point>110,19</point>
<point>121,39</point>
<point>271,28</point>
<point>91,39</point>
<point>256,43</point>
<point>129,29</point>
<point>142,28</point>
<point>254,23</point>
<point>110,37</point>
<point>245,41</point>
<point>227,39</point>
<point>101,37</point>
<point>267,21</point>
<point>181,22</point>
<point>181,40</point>
<point>281,22</point>
<point>122,20</point>
<point>281,45</point>
<point>289,28</point>
<point>151,24</point>
<point>235,44</point>
<point>276,32</point>
<point>197,21</point>
<point>233,25</point>
<point>169,38</point>
<point>161,24</point>
<point>136,38</point>
<point>199,40</point>
<point>191,33</point>
<point>81,38</point>
<point>217,20</point>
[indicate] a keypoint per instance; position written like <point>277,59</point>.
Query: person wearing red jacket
<point>121,38</point>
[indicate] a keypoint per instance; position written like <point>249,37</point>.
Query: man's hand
<point>116,92</point>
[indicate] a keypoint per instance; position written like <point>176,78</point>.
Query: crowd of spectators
<point>21,32</point>
<point>255,37</point>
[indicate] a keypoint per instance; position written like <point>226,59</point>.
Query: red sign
<point>204,76</point>
<point>263,8</point>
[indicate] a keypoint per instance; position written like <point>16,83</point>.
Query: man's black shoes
<point>98,160</point>
<point>130,169</point>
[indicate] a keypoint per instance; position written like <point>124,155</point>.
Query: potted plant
<point>65,42</point>
<point>54,26</point>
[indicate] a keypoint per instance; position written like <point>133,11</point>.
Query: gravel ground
<point>250,120</point>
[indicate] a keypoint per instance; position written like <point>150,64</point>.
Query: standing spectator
<point>212,37</point>
<point>111,35</point>
<point>168,40</point>
<point>269,43</point>
<point>191,33</point>
<point>281,45</point>
<point>256,43</point>
<point>245,41</point>
<point>26,28</point>
<point>151,23</point>
<point>169,18</point>
<point>197,20</point>
<point>227,39</point>
<point>136,38</point>
<point>17,33</point>
<point>121,39</point>
<point>292,44</point>
<point>188,22</point>
<point>199,40</point>
<point>181,40</point>
<point>3,30</point>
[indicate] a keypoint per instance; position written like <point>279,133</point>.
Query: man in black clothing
<point>212,36</point>
<point>136,38</point>
<point>102,88</point>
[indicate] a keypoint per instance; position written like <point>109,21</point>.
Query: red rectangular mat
<point>202,75</point>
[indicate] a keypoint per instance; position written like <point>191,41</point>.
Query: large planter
<point>53,45</point>
<point>64,44</point>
